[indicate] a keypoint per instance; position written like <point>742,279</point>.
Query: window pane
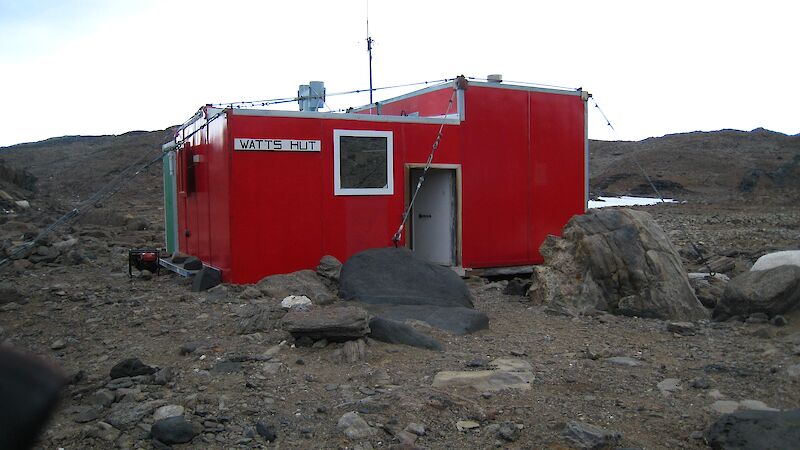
<point>362,162</point>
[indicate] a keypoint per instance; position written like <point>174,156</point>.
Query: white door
<point>433,217</point>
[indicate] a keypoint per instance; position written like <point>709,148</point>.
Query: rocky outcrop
<point>615,260</point>
<point>303,282</point>
<point>772,291</point>
<point>391,276</point>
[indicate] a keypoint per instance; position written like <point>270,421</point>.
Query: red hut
<point>260,192</point>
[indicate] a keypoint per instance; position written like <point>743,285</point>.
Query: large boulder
<point>392,276</point>
<point>303,282</point>
<point>772,260</point>
<point>754,430</point>
<point>616,260</point>
<point>772,291</point>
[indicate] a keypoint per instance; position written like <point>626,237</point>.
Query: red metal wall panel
<point>218,171</point>
<point>429,104</point>
<point>559,181</point>
<point>495,173</point>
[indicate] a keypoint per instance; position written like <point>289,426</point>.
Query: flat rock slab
<point>334,324</point>
<point>392,276</point>
<point>755,430</point>
<point>510,374</point>
<point>624,361</point>
<point>456,320</point>
<point>394,332</point>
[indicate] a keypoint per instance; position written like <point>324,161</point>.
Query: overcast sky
<point>106,67</point>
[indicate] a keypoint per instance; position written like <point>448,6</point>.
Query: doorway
<point>434,216</point>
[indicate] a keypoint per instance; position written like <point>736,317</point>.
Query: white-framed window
<point>363,162</point>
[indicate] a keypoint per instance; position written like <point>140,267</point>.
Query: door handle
<point>424,216</point>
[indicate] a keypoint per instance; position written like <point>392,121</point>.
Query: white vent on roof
<point>494,78</point>
<point>311,96</point>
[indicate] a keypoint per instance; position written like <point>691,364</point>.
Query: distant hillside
<point>726,165</point>
<point>73,167</point>
<point>718,166</point>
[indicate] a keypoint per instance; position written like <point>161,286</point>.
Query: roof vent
<point>494,78</point>
<point>311,96</point>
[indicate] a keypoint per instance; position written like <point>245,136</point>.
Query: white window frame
<point>337,173</point>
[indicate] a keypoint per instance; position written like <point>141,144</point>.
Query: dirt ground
<point>102,316</point>
<point>82,312</point>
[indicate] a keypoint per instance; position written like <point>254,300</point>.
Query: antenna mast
<point>369,51</point>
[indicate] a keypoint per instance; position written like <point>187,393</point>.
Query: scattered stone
<point>103,398</point>
<point>590,437</point>
<point>205,279</point>
<point>296,302</point>
<point>684,328</point>
<point>125,416</point>
<point>303,282</point>
<point>88,414</point>
<point>624,264</point>
<point>266,431</point>
<point>755,430</point>
<point>624,361</point>
<point>394,332</point>
<point>510,374</point>
<point>354,351</point>
<point>226,367</point>
<point>173,430</point>
<point>189,347</point>
<point>354,427</point>
<point>757,318</point>
<point>508,432</point>
<point>163,376</point>
<point>462,425</point>
<point>58,344</point>
<point>701,383</point>
<point>120,383</point>
<point>322,343</point>
<point>392,276</point>
<point>669,386</point>
<point>131,367</point>
<point>793,371</point>
<point>9,294</point>
<point>517,287</point>
<point>329,268</point>
<point>192,263</point>
<point>772,291</point>
<point>168,411</point>
<point>333,323</point>
<point>258,318</point>
<point>416,428</point>
<point>779,321</point>
<point>145,275</point>
<point>725,406</point>
<point>104,431</point>
<point>721,264</point>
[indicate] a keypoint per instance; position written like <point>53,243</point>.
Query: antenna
<point>369,51</point>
